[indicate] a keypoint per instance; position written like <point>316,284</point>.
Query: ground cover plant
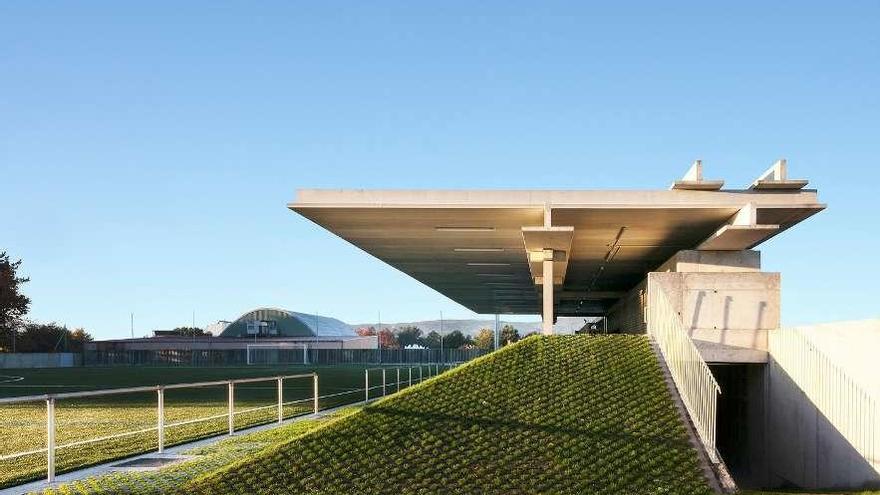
<point>204,459</point>
<point>563,414</point>
<point>23,426</point>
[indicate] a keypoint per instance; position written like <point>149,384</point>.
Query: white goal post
<point>277,353</point>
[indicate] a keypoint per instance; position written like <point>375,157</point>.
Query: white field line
<point>10,378</point>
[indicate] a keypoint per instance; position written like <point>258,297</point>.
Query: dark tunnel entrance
<point>740,421</point>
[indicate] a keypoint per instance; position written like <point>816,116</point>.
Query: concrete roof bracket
<point>776,178</point>
<point>741,232</point>
<point>693,180</point>
<point>548,244</point>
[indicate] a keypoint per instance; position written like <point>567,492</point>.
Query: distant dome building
<point>270,326</point>
<point>280,323</point>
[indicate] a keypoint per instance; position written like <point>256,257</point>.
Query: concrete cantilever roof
<point>473,246</point>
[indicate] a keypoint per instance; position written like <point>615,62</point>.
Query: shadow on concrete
<point>771,435</point>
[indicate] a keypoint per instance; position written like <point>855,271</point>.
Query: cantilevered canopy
<point>477,247</point>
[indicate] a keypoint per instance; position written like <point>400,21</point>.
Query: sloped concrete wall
<point>823,421</point>
<point>804,449</point>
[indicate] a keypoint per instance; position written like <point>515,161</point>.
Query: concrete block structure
<point>678,264</point>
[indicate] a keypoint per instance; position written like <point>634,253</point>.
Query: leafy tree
<point>508,335</point>
<point>432,340</point>
<point>387,339</point>
<point>366,331</point>
<point>485,339</point>
<point>454,340</point>
<point>409,335</point>
<point>533,332</point>
<point>51,337</point>
<point>13,304</point>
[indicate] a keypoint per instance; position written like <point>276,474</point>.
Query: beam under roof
<point>472,245</point>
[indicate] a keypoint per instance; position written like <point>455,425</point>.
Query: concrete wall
<point>40,360</point>
<point>854,346</point>
<point>628,314</point>
<point>728,315</point>
<point>726,303</point>
<point>713,262</point>
<point>823,415</point>
<point>798,422</point>
<point>804,449</point>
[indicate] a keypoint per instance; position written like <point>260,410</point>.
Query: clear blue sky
<point>147,150</point>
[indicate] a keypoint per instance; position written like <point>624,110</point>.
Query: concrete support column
<point>547,327</point>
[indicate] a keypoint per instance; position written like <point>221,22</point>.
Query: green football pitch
<point>78,421</point>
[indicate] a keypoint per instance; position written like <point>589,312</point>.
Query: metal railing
<point>424,371</point>
<point>161,425</point>
<point>403,380</point>
<point>693,379</point>
<point>239,357</point>
<point>854,412</point>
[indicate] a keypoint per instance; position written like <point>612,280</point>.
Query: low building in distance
<point>261,326</point>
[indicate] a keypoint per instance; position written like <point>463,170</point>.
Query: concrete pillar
<point>547,327</point>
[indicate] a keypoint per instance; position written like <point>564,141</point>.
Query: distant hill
<point>564,325</point>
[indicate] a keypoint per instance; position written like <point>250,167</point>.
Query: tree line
<point>403,337</point>
<point>17,333</point>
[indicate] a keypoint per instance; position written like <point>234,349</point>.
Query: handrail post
<point>383,382</point>
<point>315,391</point>
<point>409,384</point>
<point>160,415</point>
<point>231,407</point>
<point>50,440</point>
<point>366,385</point>
<point>280,400</point>
<point>398,379</point>
<point>420,374</point>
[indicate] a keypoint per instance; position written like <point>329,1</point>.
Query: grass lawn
<point>564,414</point>
<point>205,459</point>
<point>23,426</point>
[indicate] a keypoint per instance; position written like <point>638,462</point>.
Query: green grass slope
<point>565,414</point>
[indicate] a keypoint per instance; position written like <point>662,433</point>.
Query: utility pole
<point>495,340</point>
<point>132,325</point>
